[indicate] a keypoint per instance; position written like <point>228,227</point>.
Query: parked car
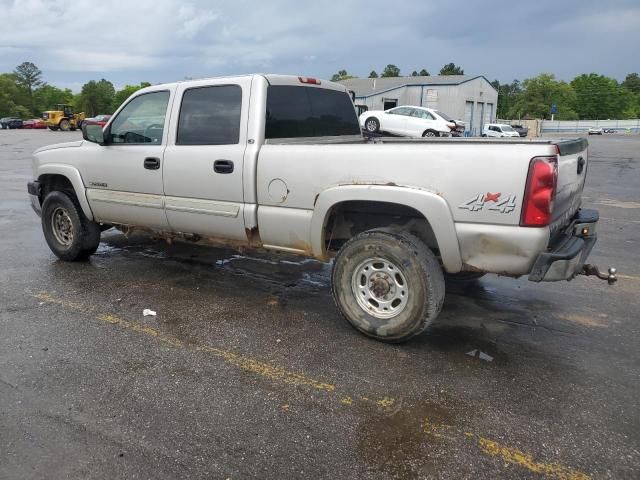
<point>34,123</point>
<point>11,122</point>
<point>408,121</point>
<point>499,130</point>
<point>595,131</point>
<point>396,215</point>
<point>101,120</point>
<point>521,129</point>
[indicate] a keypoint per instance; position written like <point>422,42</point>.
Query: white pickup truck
<point>279,163</point>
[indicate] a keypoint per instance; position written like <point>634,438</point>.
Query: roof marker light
<point>309,80</point>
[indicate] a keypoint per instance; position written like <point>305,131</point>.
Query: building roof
<point>365,87</point>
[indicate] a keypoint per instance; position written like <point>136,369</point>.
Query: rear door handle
<point>223,166</point>
<point>152,163</point>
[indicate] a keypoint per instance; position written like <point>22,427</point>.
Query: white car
<point>499,130</point>
<point>595,131</point>
<point>409,121</point>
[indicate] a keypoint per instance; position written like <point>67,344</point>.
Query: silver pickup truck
<point>279,163</point>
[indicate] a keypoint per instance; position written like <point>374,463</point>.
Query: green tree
<point>414,73</point>
<point>9,93</point>
<point>390,71</point>
<point>28,77</point>
<point>341,75</point>
<point>598,97</point>
<point>540,93</point>
<point>424,73</point>
<point>47,96</point>
<point>126,92</point>
<point>451,69</point>
<point>632,83</point>
<point>507,95</point>
<point>373,74</point>
<point>97,97</point>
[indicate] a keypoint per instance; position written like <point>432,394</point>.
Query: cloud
<point>162,40</point>
<point>75,60</point>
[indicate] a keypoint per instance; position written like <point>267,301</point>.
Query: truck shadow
<point>477,320</point>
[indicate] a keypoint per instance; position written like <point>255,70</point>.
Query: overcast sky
<point>165,40</point>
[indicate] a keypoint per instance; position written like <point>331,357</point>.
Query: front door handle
<point>223,166</point>
<point>152,163</point>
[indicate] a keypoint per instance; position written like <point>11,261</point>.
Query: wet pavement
<point>248,370</point>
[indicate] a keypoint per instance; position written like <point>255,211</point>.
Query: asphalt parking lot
<point>248,371</point>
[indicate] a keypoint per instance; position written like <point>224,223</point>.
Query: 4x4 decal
<point>492,202</point>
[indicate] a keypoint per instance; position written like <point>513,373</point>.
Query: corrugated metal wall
<point>454,100</point>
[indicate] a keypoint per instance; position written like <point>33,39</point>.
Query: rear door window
<point>294,112</point>
<point>210,116</point>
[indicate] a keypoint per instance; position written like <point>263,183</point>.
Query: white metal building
<point>471,99</point>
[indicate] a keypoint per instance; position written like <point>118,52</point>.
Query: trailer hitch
<point>611,277</point>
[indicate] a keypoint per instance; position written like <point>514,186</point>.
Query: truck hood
<point>59,145</point>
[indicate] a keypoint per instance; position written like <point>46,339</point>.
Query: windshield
<point>444,115</point>
<point>507,128</point>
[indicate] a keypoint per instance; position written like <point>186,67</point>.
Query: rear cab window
<point>299,112</point>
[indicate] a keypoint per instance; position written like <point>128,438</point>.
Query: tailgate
<point>572,173</point>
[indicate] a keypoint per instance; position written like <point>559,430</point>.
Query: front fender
<point>433,207</point>
<point>74,177</point>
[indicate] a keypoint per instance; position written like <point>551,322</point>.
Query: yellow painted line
<point>281,375</point>
<point>434,429</point>
<point>245,363</point>
<point>628,277</point>
<point>524,460</point>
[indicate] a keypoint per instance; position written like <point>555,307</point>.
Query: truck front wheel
<point>388,285</point>
<point>70,235</point>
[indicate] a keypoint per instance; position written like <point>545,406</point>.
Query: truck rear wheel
<point>70,235</point>
<point>64,125</point>
<point>388,285</point>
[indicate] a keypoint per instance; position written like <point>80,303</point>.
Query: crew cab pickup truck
<point>279,163</point>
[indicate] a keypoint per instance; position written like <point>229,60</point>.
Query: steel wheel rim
<point>371,126</point>
<point>62,226</point>
<point>380,288</point>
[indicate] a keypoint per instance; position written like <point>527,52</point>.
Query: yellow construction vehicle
<point>63,118</point>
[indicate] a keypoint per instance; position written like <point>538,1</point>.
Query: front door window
<point>141,121</point>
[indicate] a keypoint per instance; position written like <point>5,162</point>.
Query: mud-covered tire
<point>463,277</point>
<point>69,234</point>
<point>413,268</point>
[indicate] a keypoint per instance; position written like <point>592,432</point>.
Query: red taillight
<point>539,192</point>
<point>309,80</point>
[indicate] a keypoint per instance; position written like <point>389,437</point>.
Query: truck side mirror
<point>93,133</point>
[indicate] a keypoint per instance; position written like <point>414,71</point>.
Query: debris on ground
<point>146,312</point>
<point>481,355</point>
